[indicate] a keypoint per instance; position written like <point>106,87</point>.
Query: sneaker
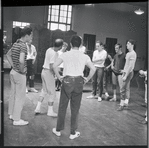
<point>20,122</point>
<point>120,108</point>
<point>10,117</point>
<point>113,100</point>
<point>52,114</point>
<point>55,132</point>
<point>33,90</point>
<point>99,99</point>
<point>106,94</point>
<point>37,111</point>
<point>26,90</point>
<point>77,134</point>
<point>90,97</point>
<point>143,122</point>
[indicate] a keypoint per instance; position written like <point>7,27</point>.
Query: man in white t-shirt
<point>31,57</point>
<point>98,59</point>
<point>127,75</point>
<point>72,85</point>
<point>48,81</point>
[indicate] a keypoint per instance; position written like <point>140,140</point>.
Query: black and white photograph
<point>75,74</point>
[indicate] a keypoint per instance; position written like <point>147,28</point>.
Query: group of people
<point>67,68</point>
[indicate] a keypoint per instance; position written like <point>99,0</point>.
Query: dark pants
<point>97,81</point>
<point>72,88</point>
<point>30,73</point>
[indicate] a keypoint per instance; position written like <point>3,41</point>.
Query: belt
<point>73,77</point>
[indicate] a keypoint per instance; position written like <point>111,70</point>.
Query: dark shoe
<point>144,105</point>
<point>120,108</point>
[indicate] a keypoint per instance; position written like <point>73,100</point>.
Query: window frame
<point>60,10</point>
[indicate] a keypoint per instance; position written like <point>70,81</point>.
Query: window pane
<point>63,13</point>
<point>62,19</point>
<point>69,14</point>
<point>18,23</point>
<point>24,24</point>
<point>54,18</point>
<point>48,26</point>
<point>68,20</point>
<point>54,26</point>
<point>55,6</point>
<point>54,12</point>
<point>64,7</point>
<point>62,27</point>
<point>70,8</point>
<point>49,18</point>
<point>68,27</point>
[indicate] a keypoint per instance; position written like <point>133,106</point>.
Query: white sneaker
<point>52,114</point>
<point>26,90</point>
<point>113,99</point>
<point>37,111</point>
<point>20,122</point>
<point>99,99</point>
<point>55,132</point>
<point>10,117</point>
<point>33,90</point>
<point>90,97</point>
<point>106,94</point>
<point>77,134</point>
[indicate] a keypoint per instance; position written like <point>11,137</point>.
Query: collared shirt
<point>17,48</point>
<point>130,56</point>
<point>74,62</point>
<point>102,55</point>
<point>31,52</point>
<point>50,58</point>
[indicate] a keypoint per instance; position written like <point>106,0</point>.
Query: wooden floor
<point>100,124</point>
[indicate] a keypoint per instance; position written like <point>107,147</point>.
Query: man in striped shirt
<point>17,59</point>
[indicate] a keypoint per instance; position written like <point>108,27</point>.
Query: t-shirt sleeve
<point>88,59</point>
<point>23,48</point>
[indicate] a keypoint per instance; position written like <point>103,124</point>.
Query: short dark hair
<point>58,43</point>
<point>119,45</point>
<point>25,31</point>
<point>101,43</point>
<point>75,41</point>
<point>133,42</point>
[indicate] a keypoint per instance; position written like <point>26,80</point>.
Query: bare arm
<point>9,58</point>
<point>92,71</point>
<point>22,62</point>
<point>56,69</point>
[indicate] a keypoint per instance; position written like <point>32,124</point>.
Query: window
<point>59,17</point>
<point>20,24</point>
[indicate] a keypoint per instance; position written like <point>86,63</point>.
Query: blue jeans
<point>71,89</point>
<point>97,81</point>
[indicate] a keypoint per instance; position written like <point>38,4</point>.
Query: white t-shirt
<point>74,62</point>
<point>31,54</point>
<point>82,49</point>
<point>130,56</point>
<point>59,53</point>
<point>50,58</point>
<point>101,55</point>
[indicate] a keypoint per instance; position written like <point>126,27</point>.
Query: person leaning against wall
<point>17,59</point>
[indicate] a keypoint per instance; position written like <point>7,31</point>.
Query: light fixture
<point>89,4</point>
<point>139,11</point>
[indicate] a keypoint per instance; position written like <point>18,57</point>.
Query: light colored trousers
<point>118,79</point>
<point>48,85</point>
<point>17,95</point>
<point>125,90</point>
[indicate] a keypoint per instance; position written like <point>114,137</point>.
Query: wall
<point>91,20</point>
<point>105,23</point>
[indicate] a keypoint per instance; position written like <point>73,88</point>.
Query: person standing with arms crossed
<point>31,57</point>
<point>99,57</point>
<point>17,59</point>
<point>127,75</point>
<point>48,80</point>
<point>72,85</point>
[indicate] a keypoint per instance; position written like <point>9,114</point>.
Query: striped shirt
<point>17,48</point>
